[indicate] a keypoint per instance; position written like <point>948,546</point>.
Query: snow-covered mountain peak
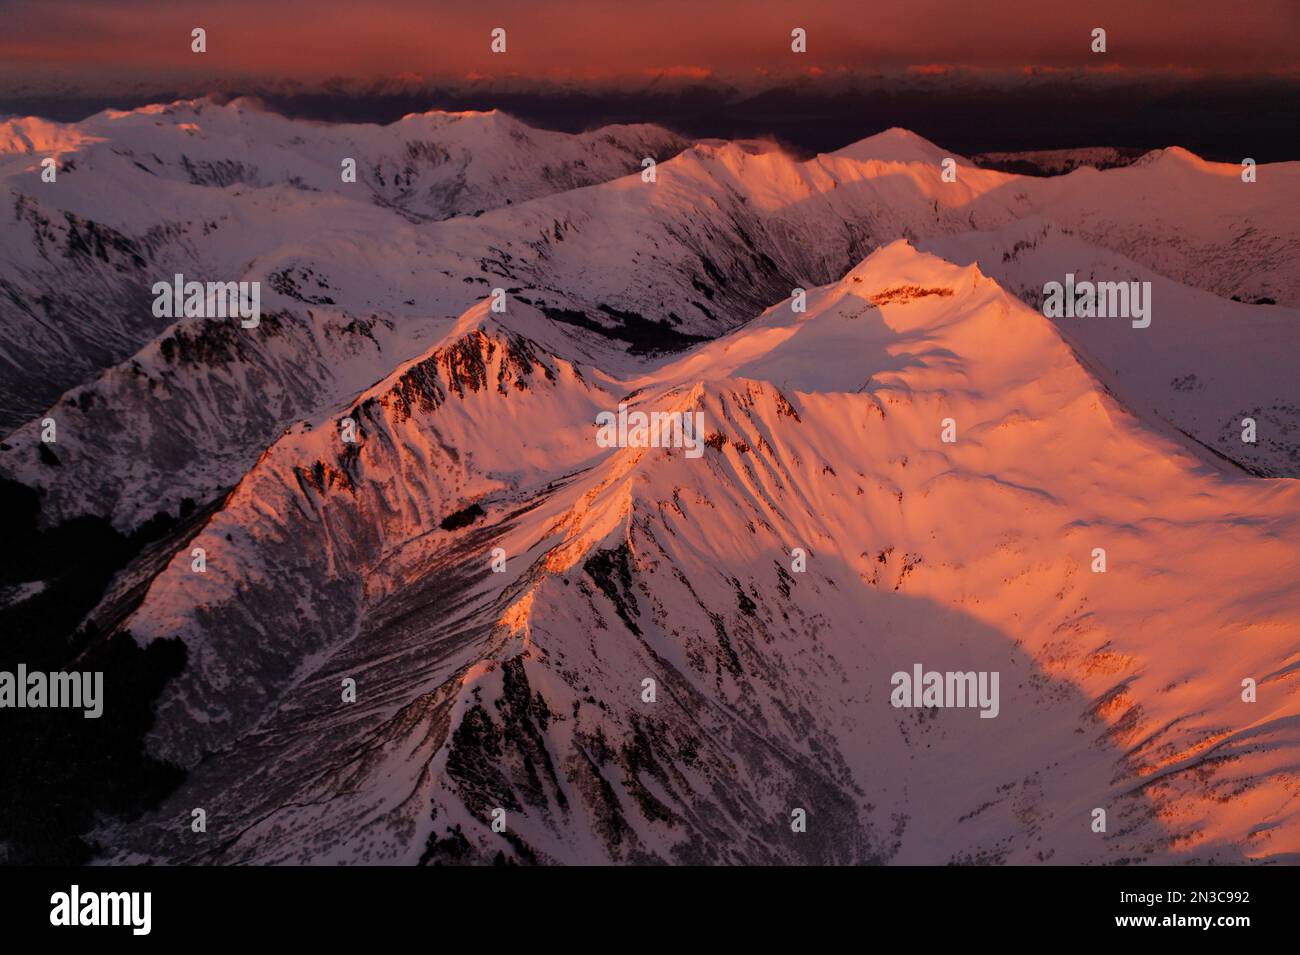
<point>896,307</point>
<point>895,145</point>
<point>33,136</point>
<point>1176,159</point>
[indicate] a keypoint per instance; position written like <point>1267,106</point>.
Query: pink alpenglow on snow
<point>490,498</point>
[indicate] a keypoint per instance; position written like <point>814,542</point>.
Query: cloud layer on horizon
<point>78,43</point>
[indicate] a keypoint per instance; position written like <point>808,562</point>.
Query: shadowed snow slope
<point>523,690</point>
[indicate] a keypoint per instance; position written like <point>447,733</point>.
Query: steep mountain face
<point>186,416</point>
<point>1193,221</point>
<point>523,690</point>
<point>74,299</point>
<point>216,190</point>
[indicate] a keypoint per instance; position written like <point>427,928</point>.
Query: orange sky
<point>88,41</point>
